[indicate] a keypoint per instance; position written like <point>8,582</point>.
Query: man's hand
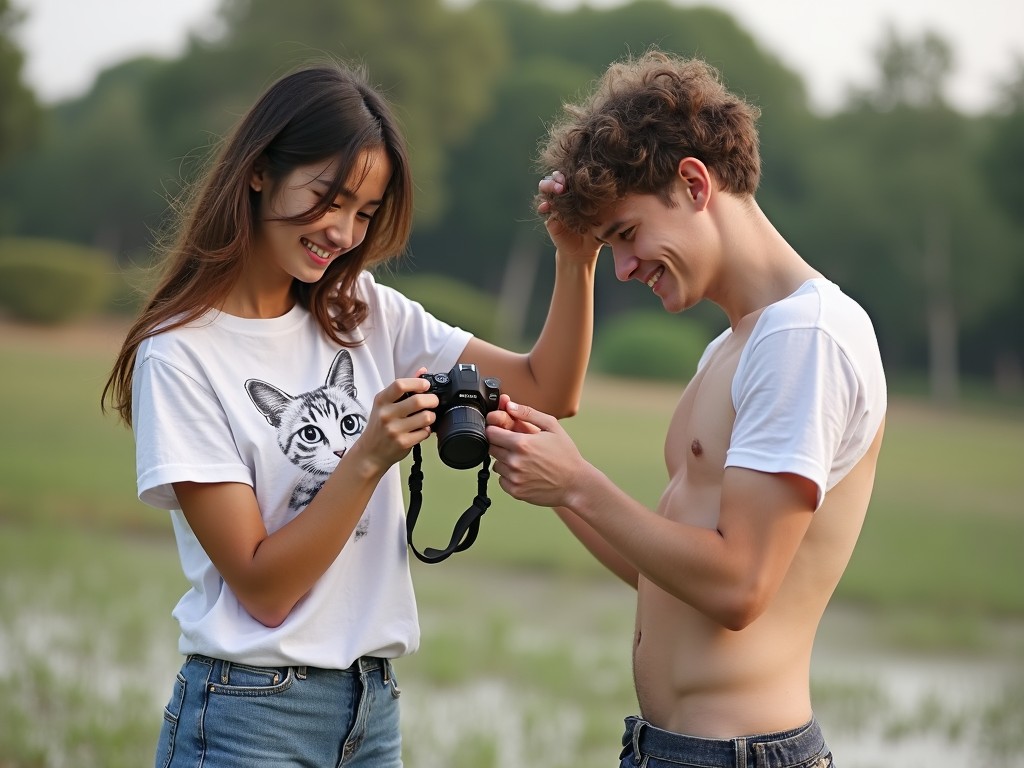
<point>534,457</point>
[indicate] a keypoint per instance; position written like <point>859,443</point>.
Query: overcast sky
<point>830,44</point>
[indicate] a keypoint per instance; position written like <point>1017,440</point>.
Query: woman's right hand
<point>571,245</point>
<point>400,418</point>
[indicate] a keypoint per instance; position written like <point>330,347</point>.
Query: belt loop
<point>637,727</point>
<point>741,751</point>
<point>300,673</point>
<point>225,671</point>
<point>389,678</point>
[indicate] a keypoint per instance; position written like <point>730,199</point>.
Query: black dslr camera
<point>466,399</point>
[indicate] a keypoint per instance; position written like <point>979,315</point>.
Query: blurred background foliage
<point>916,209</point>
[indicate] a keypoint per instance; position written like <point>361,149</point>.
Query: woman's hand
<point>568,244</point>
<point>400,418</point>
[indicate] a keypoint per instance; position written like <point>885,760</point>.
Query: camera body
<point>465,400</point>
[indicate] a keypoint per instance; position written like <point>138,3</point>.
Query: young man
<point>771,452</point>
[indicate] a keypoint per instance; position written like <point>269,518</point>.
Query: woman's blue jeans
<point>227,715</point>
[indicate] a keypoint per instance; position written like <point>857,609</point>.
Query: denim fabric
<point>227,715</point>
<point>649,747</point>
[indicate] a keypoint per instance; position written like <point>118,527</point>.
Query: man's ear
<point>256,180</point>
<point>696,181</point>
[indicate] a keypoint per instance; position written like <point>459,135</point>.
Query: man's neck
<point>759,267</point>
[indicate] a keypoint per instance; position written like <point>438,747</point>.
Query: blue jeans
<point>650,747</point>
<point>227,715</point>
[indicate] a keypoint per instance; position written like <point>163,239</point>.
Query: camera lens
<point>461,442</point>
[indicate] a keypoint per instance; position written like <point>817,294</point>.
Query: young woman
<point>266,384</point>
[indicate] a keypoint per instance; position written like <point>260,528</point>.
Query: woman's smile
<point>321,256</point>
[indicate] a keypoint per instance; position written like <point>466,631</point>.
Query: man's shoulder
<point>817,304</point>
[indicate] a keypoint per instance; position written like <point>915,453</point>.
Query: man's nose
<point>625,263</point>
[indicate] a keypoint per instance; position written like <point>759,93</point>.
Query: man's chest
<point>701,427</point>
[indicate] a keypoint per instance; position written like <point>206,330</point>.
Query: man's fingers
<point>530,415</point>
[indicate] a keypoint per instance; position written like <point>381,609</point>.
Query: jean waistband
<point>779,748</point>
<point>360,666</point>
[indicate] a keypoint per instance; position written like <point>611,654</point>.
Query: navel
<point>696,448</point>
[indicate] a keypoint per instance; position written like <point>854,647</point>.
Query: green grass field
<point>523,623</point>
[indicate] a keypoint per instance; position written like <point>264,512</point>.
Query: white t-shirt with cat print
<point>268,403</point>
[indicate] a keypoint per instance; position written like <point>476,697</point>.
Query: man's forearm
<point>604,552</point>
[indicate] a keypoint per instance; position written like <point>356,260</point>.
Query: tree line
<point>915,208</point>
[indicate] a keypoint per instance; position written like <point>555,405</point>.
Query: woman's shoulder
<point>381,297</point>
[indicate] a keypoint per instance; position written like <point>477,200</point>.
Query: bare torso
<point>693,675</point>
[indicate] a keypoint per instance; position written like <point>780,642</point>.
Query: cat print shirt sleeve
<point>180,429</point>
<point>196,421</point>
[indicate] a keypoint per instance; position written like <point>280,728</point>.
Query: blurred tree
<point>592,38</point>
<point>491,236</point>
<point>20,114</point>
<point>555,55</point>
<point>492,176</point>
<point>435,63</point>
<point>912,72</point>
<point>902,218</point>
<point>897,182</point>
<point>94,176</point>
<point>147,125</point>
<point>1002,160</point>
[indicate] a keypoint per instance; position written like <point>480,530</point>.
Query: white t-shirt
<point>809,390</point>
<point>267,402</point>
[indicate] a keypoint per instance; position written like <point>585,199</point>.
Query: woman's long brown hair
<point>311,115</point>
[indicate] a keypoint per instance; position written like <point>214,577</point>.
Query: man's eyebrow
<point>609,231</point>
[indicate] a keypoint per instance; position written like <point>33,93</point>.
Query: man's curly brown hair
<point>644,116</point>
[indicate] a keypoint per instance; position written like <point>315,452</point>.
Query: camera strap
<point>468,524</point>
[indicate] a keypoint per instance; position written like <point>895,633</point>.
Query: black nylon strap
<point>468,525</point>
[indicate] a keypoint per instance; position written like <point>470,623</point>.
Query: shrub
<point>649,345</point>
<point>53,282</point>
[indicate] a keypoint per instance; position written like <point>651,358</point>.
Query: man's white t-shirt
<point>268,403</point>
<point>809,390</point>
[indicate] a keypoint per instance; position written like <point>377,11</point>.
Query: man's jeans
<point>649,747</point>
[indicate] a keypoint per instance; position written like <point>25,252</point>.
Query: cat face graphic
<point>315,428</point>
